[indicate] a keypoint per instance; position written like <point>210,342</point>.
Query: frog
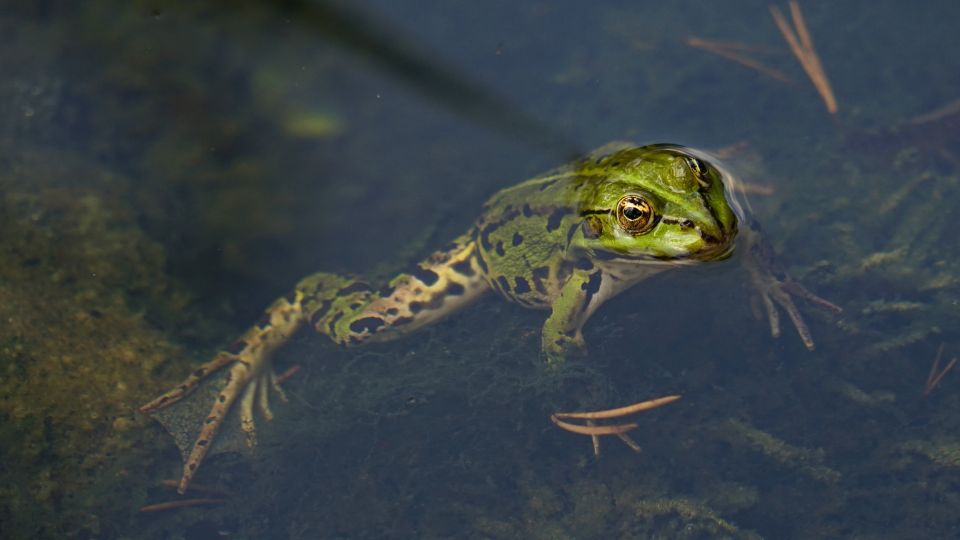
<point>565,241</point>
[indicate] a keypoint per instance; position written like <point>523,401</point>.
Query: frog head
<point>655,203</point>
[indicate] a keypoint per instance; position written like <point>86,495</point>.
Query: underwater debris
<point>802,46</point>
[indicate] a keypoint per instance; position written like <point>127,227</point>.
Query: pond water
<point>167,170</point>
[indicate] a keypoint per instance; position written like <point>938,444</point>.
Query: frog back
<point>522,237</point>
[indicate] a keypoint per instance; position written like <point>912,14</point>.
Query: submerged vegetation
<point>164,177</point>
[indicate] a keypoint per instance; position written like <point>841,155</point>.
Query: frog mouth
<point>715,252</point>
<point>703,247</point>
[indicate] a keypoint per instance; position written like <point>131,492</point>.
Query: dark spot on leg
<point>436,301</point>
<point>320,312</point>
<point>485,236</point>
<point>402,321</point>
<point>392,311</point>
<point>332,326</point>
<point>386,291</point>
<point>499,249</point>
<point>482,264</point>
<point>200,372</point>
<point>547,184</point>
<point>517,239</point>
<point>571,231</point>
<point>504,284</point>
<point>553,222</point>
<point>539,276</point>
<point>464,268</point>
<point>522,285</point>
<point>527,211</point>
<point>584,263</point>
<point>416,307</point>
<point>427,276</point>
<point>592,286</point>
<point>356,286</point>
<point>455,289</point>
<point>369,324</point>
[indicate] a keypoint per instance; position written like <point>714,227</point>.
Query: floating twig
<point>197,488</point>
<point>219,496</point>
<point>286,375</point>
<point>621,411</point>
<point>629,442</point>
<point>733,52</point>
<point>183,503</point>
<point>592,430</point>
<point>801,44</point>
<point>620,430</point>
<point>936,374</point>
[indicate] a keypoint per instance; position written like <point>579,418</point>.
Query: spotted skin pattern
<point>565,242</point>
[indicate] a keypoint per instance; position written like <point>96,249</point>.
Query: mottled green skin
<point>554,242</point>
<point>566,241</point>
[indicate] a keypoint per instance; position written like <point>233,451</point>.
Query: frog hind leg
<point>248,358</point>
<point>442,284</point>
<point>346,310</point>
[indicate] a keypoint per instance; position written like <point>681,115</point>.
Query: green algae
<point>77,352</point>
<point>808,461</point>
<point>944,453</point>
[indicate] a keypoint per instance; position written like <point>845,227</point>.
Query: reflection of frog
<point>566,241</point>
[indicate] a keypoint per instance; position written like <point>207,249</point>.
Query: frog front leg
<point>562,333</point>
<point>777,287</point>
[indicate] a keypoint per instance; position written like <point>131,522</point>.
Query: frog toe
<point>190,383</point>
<point>238,383</point>
<point>561,347</point>
<point>782,293</point>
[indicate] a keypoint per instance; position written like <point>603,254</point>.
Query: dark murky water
<point>167,170</point>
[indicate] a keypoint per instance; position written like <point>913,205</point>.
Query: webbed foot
<point>776,287</point>
<point>249,379</point>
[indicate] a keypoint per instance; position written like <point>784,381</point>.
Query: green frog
<point>566,241</point>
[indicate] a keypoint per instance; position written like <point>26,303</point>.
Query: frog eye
<point>635,214</point>
<point>700,171</point>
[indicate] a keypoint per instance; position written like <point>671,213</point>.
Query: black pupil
<point>632,213</point>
